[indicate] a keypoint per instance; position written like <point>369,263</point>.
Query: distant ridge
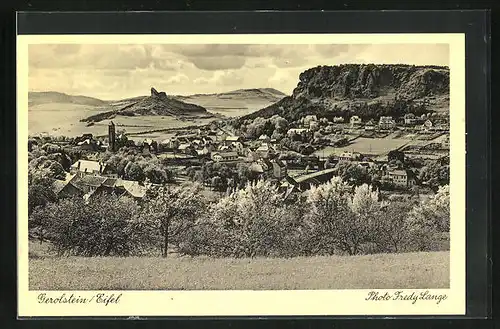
<point>44,97</point>
<point>249,91</point>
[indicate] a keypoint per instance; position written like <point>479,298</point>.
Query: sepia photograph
<point>247,166</point>
<point>258,170</point>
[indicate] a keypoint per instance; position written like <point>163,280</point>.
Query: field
<point>370,146</point>
<point>61,119</point>
<point>64,119</point>
<point>384,271</point>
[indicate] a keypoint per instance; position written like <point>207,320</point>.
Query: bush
<point>105,227</point>
<point>247,223</point>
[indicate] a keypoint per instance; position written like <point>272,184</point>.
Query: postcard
<point>241,175</point>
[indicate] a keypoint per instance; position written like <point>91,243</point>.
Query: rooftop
<point>87,166</point>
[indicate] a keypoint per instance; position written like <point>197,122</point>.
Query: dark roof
<point>280,163</point>
<point>291,180</point>
<point>109,182</point>
<point>268,163</point>
<point>90,180</point>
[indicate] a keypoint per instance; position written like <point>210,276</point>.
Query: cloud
<point>218,63</point>
<point>178,79</point>
<point>280,77</point>
<point>221,78</point>
<point>117,71</point>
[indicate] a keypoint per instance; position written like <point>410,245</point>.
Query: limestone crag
<point>352,81</point>
<point>366,90</point>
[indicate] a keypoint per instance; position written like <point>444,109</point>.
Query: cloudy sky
<point>119,71</point>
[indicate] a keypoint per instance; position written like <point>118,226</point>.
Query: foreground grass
<point>382,271</point>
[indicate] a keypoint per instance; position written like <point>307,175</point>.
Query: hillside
<point>157,104</point>
<point>46,97</point>
<point>365,90</point>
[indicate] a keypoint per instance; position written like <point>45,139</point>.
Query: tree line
<point>258,220</point>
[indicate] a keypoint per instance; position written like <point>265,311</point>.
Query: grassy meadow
<point>381,271</point>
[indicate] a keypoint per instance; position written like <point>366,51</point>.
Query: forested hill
<point>367,90</point>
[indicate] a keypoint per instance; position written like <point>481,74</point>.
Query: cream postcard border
<point>237,303</point>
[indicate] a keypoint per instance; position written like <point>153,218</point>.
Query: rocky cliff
<point>352,81</point>
<point>365,90</point>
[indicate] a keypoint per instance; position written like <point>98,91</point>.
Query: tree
<point>332,221</point>
<point>134,172</point>
<point>217,183</point>
<point>430,217</point>
<point>254,222</point>
<point>157,174</point>
<point>352,173</point>
<point>40,190</point>
<point>396,155</point>
<point>280,124</point>
<point>173,212</point>
<point>106,226</point>
<point>51,168</point>
<point>392,232</point>
<point>434,174</point>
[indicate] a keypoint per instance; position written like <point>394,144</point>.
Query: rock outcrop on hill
<point>158,103</point>
<point>365,90</point>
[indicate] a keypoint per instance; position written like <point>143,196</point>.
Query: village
<point>374,152</point>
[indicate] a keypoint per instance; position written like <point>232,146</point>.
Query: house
<point>386,122</point>
<point>88,167</point>
<point>89,145</point>
<point>186,148</point>
<point>261,166</point>
<point>426,126</point>
<point>149,145</point>
<point>238,147</point>
<point>224,156</point>
<point>224,148</point>
<point>369,126</point>
<point>89,184</point>
<point>169,144</point>
<point>279,169</point>
<point>132,189</point>
<point>309,118</point>
<point>232,139</point>
<point>349,156</point>
<point>410,119</point>
<point>401,178</point>
<point>202,152</point>
<point>264,138</point>
<point>264,150</point>
<point>365,164</point>
<point>65,188</point>
<point>296,131</point>
<point>355,121</point>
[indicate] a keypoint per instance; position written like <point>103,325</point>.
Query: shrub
<point>104,227</point>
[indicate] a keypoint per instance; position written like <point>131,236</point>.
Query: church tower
<point>112,136</point>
